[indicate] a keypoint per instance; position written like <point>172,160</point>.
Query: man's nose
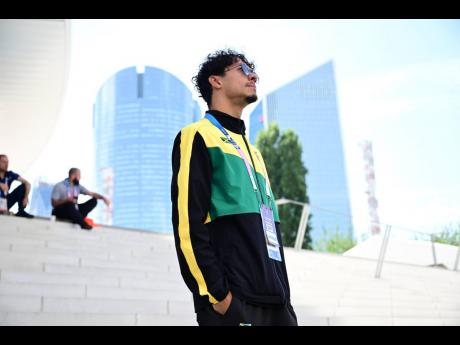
<point>253,77</point>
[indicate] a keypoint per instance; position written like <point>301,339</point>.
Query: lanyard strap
<point>216,123</point>
<point>72,192</point>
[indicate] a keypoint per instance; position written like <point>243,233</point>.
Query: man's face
<point>4,164</point>
<point>76,176</point>
<point>238,85</point>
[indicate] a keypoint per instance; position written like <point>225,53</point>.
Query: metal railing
<point>383,249</point>
<point>303,220</point>
<point>386,237</point>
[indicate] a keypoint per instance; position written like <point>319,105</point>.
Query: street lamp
<point>303,220</point>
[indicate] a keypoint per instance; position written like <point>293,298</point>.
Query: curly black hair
<point>215,64</point>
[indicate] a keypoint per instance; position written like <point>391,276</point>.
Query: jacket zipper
<point>275,271</point>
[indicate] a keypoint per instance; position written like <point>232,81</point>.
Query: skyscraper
<point>40,203</point>
<point>308,105</point>
<point>136,118</point>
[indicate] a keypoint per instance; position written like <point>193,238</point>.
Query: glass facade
<point>308,105</point>
<point>136,118</point>
<point>40,203</point>
<point>257,122</point>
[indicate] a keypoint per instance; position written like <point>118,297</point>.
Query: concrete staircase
<point>57,274</point>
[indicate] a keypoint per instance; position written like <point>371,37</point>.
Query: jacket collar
<point>229,122</point>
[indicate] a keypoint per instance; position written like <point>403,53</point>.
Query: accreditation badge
<point>3,204</point>
<point>271,237</point>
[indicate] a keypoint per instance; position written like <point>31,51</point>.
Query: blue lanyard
<point>75,192</point>
<point>216,123</point>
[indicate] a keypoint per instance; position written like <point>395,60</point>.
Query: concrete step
<point>65,319</point>
<point>53,273</point>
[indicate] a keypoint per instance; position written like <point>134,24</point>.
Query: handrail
<point>388,227</point>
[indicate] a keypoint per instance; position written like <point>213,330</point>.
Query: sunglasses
<point>246,70</point>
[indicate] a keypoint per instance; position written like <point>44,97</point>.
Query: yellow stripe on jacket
<point>187,136</point>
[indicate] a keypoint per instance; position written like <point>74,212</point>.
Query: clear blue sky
<point>398,85</point>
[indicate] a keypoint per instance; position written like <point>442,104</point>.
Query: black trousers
<point>17,196</point>
<point>69,212</point>
<point>241,313</point>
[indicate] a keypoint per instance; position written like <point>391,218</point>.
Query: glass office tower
<point>136,118</point>
<point>308,105</point>
<point>40,203</point>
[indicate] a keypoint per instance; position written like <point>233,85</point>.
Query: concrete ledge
<point>103,306</point>
<point>32,257</point>
<point>417,321</point>
<point>7,263</point>
<point>100,271</point>
<point>138,294</point>
<point>66,319</point>
<point>64,279</point>
<point>165,320</point>
<point>147,267</point>
<point>20,304</point>
<point>48,290</point>
<point>360,321</point>
<point>22,240</point>
<point>70,252</point>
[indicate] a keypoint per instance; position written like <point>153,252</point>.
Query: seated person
<point>64,199</point>
<point>20,195</point>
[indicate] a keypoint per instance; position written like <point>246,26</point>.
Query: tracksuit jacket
<point>219,236</point>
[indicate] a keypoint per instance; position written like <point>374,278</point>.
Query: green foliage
<point>335,242</point>
<point>449,235</point>
<point>282,153</point>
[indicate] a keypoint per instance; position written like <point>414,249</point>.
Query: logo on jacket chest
<point>225,140</point>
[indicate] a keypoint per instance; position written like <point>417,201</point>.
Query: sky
<point>398,85</point>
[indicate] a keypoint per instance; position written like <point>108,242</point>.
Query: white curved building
<point>34,66</point>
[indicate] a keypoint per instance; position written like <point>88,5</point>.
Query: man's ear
<point>215,81</point>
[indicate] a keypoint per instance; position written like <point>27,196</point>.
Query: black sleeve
<point>191,198</point>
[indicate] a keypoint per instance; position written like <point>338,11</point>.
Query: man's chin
<point>251,99</point>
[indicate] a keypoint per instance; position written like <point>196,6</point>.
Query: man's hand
<point>223,305</point>
<point>106,201</point>
<point>100,197</point>
<point>25,201</point>
<point>4,188</point>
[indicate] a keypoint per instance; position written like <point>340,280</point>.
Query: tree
<point>449,235</point>
<point>282,154</point>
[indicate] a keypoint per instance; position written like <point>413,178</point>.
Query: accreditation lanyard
<point>241,153</point>
<point>73,192</point>
<point>266,212</point>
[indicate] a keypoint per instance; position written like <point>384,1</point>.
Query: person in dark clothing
<point>64,199</point>
<point>19,195</point>
<point>225,219</point>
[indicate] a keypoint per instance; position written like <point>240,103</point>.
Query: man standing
<point>225,219</point>
<point>20,195</point>
<point>64,199</point>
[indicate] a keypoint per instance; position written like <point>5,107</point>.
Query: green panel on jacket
<point>231,188</point>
